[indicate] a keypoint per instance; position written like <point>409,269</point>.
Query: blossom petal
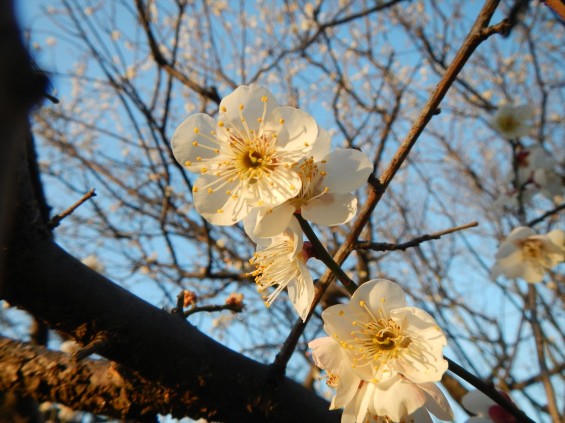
<point>246,101</point>
<point>326,353</point>
<point>347,387</point>
<point>347,169</point>
<point>272,221</point>
<point>282,185</point>
<point>380,293</point>
<point>330,209</point>
<point>422,361</point>
<point>437,403</point>
<point>195,129</point>
<point>298,130</point>
<point>477,402</point>
<point>301,291</point>
<point>322,145</point>
<point>217,206</point>
<point>397,398</point>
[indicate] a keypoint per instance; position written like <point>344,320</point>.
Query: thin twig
<point>386,246</point>
<point>323,255</point>
<point>236,308</point>
<point>546,215</point>
<point>56,220</point>
<point>476,36</point>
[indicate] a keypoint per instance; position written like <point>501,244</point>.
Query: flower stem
<point>489,391</point>
<point>323,255</point>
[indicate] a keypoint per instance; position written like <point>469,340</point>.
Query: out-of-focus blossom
<point>484,409</point>
<point>93,262</point>
<point>248,158</point>
<point>513,121</point>
<point>524,254</point>
<point>537,167</point>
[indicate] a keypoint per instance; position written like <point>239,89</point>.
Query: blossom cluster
<point>261,163</point>
<point>535,170</point>
<point>525,254</point>
<point>383,357</point>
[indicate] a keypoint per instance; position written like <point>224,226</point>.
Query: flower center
<point>332,380</point>
<point>253,160</point>
<point>532,249</point>
<point>508,123</point>
<point>378,341</point>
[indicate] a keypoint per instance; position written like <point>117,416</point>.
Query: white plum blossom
<point>485,410</point>
<point>246,159</point>
<point>537,167</point>
<point>281,261</point>
<point>524,254</point>
<point>512,121</point>
<point>326,198</point>
<point>382,357</point>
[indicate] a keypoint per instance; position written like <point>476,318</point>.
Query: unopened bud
<point>189,298</point>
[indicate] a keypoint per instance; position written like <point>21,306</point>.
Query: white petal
<point>301,292</point>
<point>321,146</point>
<point>532,274</point>
<point>218,207</point>
<point>519,233</point>
<point>477,402</point>
<point>298,132</point>
<point>185,152</point>
<point>272,221</point>
<point>397,398</point>
<point>348,386</point>
<point>423,360</point>
<point>326,353</point>
<point>436,402</point>
<point>557,237</point>
<point>330,209</point>
<point>379,293</point>
<point>253,108</point>
<point>282,185</point>
<point>346,170</point>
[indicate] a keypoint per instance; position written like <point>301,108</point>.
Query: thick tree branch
<point>221,384</point>
<point>96,386</point>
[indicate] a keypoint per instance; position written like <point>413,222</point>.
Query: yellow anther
<point>195,189</point>
<point>306,144</point>
<point>281,121</point>
<point>323,173</point>
<point>195,143</point>
<point>259,120</point>
<point>264,99</point>
<point>341,313</point>
<point>196,130</point>
<point>219,211</point>
<point>188,163</point>
<point>210,190</point>
<point>324,161</point>
<point>221,124</point>
<point>241,107</point>
<point>228,192</point>
<point>223,109</point>
<point>198,159</point>
<point>204,170</point>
